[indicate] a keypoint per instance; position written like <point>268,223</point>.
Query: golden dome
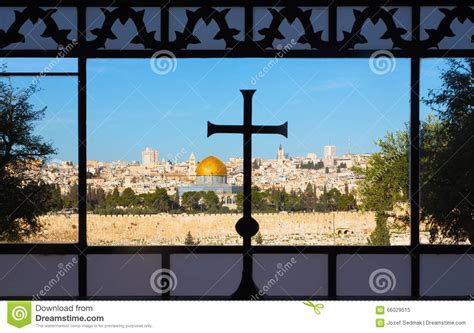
<point>211,166</point>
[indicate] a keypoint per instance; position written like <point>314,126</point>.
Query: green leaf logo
<point>19,313</point>
<point>316,307</point>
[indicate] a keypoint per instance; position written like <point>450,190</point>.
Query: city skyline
<point>185,156</point>
<point>186,175</point>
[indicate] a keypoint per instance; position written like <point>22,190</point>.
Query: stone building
<point>150,157</point>
<point>211,175</point>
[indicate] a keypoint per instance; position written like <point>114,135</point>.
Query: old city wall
<point>213,228</point>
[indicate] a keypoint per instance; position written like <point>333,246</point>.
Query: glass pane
<point>146,138</point>
<point>372,32</point>
<point>290,275</point>
<point>207,36</point>
<point>205,274</point>
<point>39,160</point>
<point>40,65</point>
<point>38,276</point>
<point>447,151</point>
<point>39,28</point>
<point>155,178</point>
<point>121,274</point>
<point>373,275</point>
<point>341,176</point>
<point>446,275</point>
<point>143,28</point>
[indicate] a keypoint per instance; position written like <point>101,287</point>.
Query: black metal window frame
<point>246,49</point>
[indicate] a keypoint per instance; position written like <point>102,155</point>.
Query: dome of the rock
<point>211,166</point>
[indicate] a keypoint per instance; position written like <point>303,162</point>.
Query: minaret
<point>192,165</point>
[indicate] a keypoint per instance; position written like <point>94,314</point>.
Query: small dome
<point>211,166</point>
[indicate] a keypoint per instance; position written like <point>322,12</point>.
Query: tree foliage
<point>189,240</point>
<point>277,200</point>
<point>446,156</point>
<point>258,238</point>
<point>23,196</point>
<point>312,166</point>
<point>381,235</point>
<point>385,179</point>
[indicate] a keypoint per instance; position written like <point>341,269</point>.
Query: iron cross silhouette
<point>247,226</point>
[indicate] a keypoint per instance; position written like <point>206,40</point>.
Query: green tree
<point>158,200</point>
<point>447,155</point>
<point>211,202</point>
<point>52,197</point>
<point>381,234</point>
<point>346,202</point>
<point>112,199</point>
<point>384,188</point>
<point>295,203</point>
<point>95,198</point>
<point>385,182</point>
<point>328,201</point>
<point>189,240</point>
<point>71,197</point>
<point>259,238</point>
<point>128,198</point>
<point>23,196</point>
<point>445,161</point>
<point>309,198</point>
<point>312,166</point>
<point>191,201</point>
<point>260,201</point>
<point>279,200</point>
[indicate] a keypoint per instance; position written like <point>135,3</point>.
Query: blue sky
<point>325,101</point>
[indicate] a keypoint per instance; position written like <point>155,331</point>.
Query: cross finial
<point>247,226</point>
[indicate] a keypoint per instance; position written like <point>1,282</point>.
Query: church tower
<point>280,154</point>
<point>192,165</point>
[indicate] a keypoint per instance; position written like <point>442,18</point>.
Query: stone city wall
<point>351,228</point>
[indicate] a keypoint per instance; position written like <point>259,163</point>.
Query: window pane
<point>39,160</point>
<point>373,275</point>
<point>155,178</point>
<point>290,274</point>
<point>447,148</point>
<point>36,32</point>
<point>206,274</point>
<point>38,276</point>
<point>121,274</point>
<point>341,176</point>
<point>40,65</point>
<point>146,138</point>
<point>446,275</point>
